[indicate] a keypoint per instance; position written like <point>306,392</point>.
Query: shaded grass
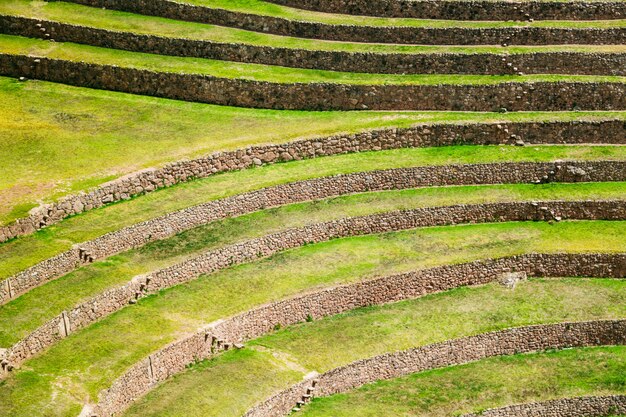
<point>338,340</point>
<point>78,367</point>
<point>150,25</point>
<point>258,72</point>
<point>28,250</point>
<point>24,314</point>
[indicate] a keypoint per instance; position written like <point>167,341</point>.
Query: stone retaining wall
<point>170,224</point>
<point>224,334</point>
<point>377,34</point>
<point>115,299</point>
<point>514,96</point>
<point>604,132</point>
<point>570,407</point>
<point>467,10</point>
<point>454,352</point>
<point>575,63</point>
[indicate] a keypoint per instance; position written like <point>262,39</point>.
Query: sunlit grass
<point>89,360</point>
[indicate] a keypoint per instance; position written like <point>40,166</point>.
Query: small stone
<point>510,279</point>
<point>576,171</point>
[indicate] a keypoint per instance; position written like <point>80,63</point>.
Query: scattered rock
<point>510,279</point>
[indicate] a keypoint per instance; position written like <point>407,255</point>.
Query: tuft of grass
<point>78,367</point>
<point>24,314</point>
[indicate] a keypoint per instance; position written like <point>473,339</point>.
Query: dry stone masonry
<point>519,95</point>
<point>468,10</point>
<point>376,34</point>
<point>229,333</point>
<point>610,405</point>
<point>398,63</point>
<point>512,95</point>
<point>452,352</point>
<point>170,224</point>
<point>117,298</point>
<point>578,132</point>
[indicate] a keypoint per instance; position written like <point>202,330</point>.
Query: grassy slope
<point>338,340</point>
<point>69,139</point>
<point>150,25</point>
<point>78,367</point>
<point>492,383</point>
<point>161,63</point>
<point>26,251</point>
<point>23,315</point>
<point>268,9</point>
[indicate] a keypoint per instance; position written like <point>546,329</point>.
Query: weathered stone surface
<point>467,10</point>
<point>164,226</point>
<point>514,96</point>
<point>446,63</point>
<point>212,339</point>
<point>378,34</point>
<point>605,132</point>
<point>453,352</point>
<point>570,407</point>
<point>115,299</point>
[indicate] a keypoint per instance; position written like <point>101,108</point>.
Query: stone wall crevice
<point>591,406</point>
<point>577,132</point>
<point>528,339</point>
<point>575,63</point>
<point>226,333</point>
<point>165,226</point>
<point>469,10</point>
<point>522,35</point>
<point>115,299</point>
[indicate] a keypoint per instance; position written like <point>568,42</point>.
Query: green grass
<point>68,139</point>
<point>268,9</point>
<point>233,70</point>
<point>339,340</point>
<point>78,367</point>
<point>490,383</point>
<point>28,250</point>
<point>24,314</point>
<point>150,25</point>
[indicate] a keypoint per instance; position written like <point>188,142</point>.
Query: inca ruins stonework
<point>312,208</point>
